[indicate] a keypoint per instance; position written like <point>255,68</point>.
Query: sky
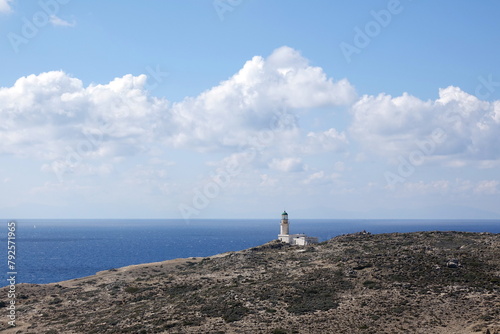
<point>240,109</point>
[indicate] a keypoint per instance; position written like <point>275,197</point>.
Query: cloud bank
<point>390,126</point>
<point>262,94</point>
<point>42,115</point>
<point>47,116</point>
<point>268,132</point>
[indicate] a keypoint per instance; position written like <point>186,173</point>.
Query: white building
<point>293,239</point>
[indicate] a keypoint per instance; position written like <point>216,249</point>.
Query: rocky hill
<point>424,282</point>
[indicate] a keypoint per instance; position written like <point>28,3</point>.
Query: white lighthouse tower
<point>284,227</point>
<point>293,239</point>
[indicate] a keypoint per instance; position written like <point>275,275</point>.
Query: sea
<point>49,251</point>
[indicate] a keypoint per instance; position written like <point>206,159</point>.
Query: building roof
<point>284,213</point>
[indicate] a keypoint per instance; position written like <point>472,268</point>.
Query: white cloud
<point>440,186</point>
<point>5,6</point>
<point>315,177</point>
<point>326,141</point>
<point>154,178</point>
<point>261,97</point>
<point>59,188</point>
<point>287,165</point>
<point>58,22</point>
<point>255,122</point>
<point>80,168</point>
<point>52,116</point>
<point>328,179</point>
<point>487,187</point>
<point>456,187</point>
<point>390,126</point>
<point>267,181</point>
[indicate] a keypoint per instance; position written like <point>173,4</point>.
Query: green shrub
<point>131,289</point>
<point>371,284</point>
<point>55,301</point>
<point>229,311</point>
<point>279,331</point>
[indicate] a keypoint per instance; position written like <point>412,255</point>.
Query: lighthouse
<point>293,239</point>
<point>284,227</point>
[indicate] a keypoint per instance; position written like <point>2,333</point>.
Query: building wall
<point>285,238</point>
<point>304,240</point>
<point>297,239</point>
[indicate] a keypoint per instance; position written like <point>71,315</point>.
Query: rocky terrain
<point>424,282</point>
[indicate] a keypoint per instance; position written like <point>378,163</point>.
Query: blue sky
<point>238,108</point>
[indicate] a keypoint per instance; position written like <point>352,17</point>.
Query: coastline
<point>83,249</point>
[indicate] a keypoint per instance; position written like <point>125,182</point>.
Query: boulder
<point>453,263</point>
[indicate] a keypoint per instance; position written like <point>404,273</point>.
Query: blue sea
<point>56,250</point>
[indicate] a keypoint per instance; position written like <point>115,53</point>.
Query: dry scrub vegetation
<point>423,282</point>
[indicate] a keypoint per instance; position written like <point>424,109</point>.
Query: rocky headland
<point>422,282</point>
